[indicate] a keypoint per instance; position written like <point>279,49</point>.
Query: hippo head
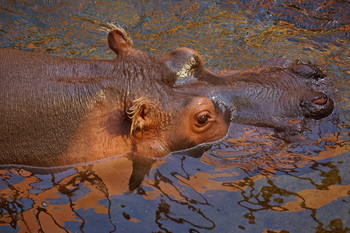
<point>267,98</point>
<point>188,121</point>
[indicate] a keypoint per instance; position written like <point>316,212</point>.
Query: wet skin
<point>276,97</point>
<point>57,111</point>
<point>60,111</point>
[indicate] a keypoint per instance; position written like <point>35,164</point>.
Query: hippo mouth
<point>318,107</point>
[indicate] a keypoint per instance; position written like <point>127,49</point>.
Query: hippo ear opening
<point>144,115</point>
<point>118,40</point>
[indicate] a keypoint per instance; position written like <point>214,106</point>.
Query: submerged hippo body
<point>275,97</point>
<point>57,111</point>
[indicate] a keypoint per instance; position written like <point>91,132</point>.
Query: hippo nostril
<point>318,106</point>
<point>320,101</point>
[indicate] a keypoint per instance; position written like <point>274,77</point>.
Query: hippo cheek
<point>317,106</point>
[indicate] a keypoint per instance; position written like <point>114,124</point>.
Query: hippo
<point>281,98</point>
<point>58,111</point>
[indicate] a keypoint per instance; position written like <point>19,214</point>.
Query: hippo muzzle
<point>317,107</point>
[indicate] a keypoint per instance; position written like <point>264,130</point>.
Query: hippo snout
<point>317,106</point>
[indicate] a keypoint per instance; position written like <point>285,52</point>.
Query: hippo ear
<point>188,67</point>
<point>144,115</point>
<point>183,62</point>
<point>118,40</point>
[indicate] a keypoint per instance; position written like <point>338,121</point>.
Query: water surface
<point>252,181</point>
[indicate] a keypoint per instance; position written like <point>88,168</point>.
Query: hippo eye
<point>202,119</point>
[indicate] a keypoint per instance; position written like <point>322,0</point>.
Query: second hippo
<point>276,97</point>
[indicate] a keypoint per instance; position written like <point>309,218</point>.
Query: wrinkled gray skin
<point>280,98</point>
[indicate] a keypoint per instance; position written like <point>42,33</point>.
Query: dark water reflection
<point>253,181</point>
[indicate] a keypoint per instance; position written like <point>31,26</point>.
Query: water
<point>250,182</point>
